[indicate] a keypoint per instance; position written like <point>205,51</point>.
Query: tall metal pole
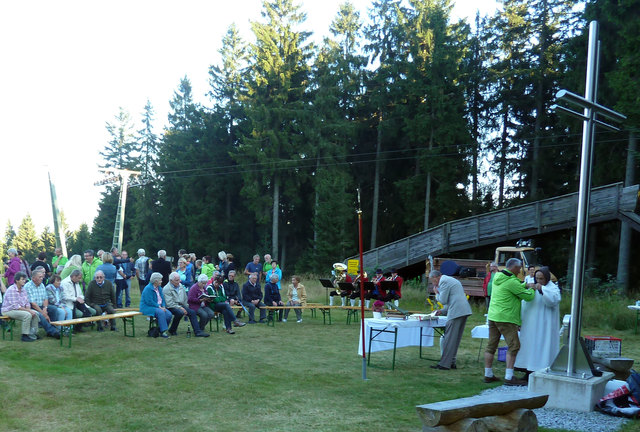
<point>364,352</point>
<point>61,240</point>
<point>584,193</point>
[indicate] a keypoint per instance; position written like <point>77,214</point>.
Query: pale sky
<point>67,67</point>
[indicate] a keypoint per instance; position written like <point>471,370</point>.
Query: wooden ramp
<point>609,202</point>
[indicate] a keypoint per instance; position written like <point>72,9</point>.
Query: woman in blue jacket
<point>152,304</point>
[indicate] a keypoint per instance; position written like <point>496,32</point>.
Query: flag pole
<point>364,352</point>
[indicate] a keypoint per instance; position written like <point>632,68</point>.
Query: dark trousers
<point>142,283</point>
<point>227,313</point>
<point>251,308</point>
<point>178,315</point>
<point>205,314</point>
<point>123,285</point>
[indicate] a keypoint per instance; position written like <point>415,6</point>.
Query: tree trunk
<point>315,208</point>
<point>376,185</point>
<point>624,251</point>
<point>540,108</point>
<point>276,207</point>
<point>503,157</point>
<point>427,194</point>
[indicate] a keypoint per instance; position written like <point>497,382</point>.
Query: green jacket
<point>88,270</point>
<point>218,294</point>
<point>506,298</point>
<point>208,269</point>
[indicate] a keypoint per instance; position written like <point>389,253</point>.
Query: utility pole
<point>122,176</point>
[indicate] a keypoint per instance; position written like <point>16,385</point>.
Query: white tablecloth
<point>408,333</point>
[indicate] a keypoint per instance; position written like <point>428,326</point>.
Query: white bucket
<point>377,314</point>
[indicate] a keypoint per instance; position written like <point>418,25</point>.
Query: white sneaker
<point>284,320</point>
<point>300,320</point>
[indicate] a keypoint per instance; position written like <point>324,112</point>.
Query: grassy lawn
<point>304,376</point>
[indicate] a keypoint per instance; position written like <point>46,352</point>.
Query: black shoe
<point>437,366</point>
<point>54,335</point>
<point>26,338</point>
<point>515,382</point>
<point>100,328</point>
<point>263,321</point>
<point>174,333</point>
<point>491,379</point>
<point>114,328</point>
<point>453,366</point>
<point>78,329</point>
<point>202,334</point>
<point>252,322</point>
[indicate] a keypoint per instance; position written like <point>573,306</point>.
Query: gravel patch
<point>554,418</point>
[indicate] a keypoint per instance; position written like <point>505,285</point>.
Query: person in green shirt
<point>89,266</point>
<point>219,304</point>
<point>58,261</point>
<point>504,319</point>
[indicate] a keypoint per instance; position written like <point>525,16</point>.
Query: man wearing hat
<point>341,275</point>
<point>377,293</point>
<point>395,294</point>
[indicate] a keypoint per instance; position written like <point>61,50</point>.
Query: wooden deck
<point>607,203</point>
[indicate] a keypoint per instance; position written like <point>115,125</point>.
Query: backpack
<point>153,332</point>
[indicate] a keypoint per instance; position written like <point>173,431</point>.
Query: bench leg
<point>133,327</point>
<point>69,333</point>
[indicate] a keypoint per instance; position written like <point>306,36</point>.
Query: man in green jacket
<point>504,319</point>
<point>89,266</point>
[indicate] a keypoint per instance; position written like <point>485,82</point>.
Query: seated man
<point>17,306</point>
<point>394,295</point>
<point>218,303</point>
<point>73,297</point>
<point>232,291</point>
<point>176,300</point>
<point>39,301</point>
<point>101,296</point>
<point>272,295</point>
<point>252,299</point>
<point>197,304</point>
<point>377,293</point>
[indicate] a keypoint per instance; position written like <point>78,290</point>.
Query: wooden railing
<point>553,214</point>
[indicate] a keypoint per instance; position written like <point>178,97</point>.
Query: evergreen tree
<point>121,151</point>
<point>276,107</point>
<point>9,235</point>
<point>48,242</point>
<point>79,241</point>
<point>27,240</point>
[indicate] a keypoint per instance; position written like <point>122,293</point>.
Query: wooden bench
<point>352,312</point>
<point>7,326</point>
<point>326,311</point>
<point>127,317</point>
<point>494,412</point>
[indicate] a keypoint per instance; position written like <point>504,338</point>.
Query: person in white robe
<point>539,334</point>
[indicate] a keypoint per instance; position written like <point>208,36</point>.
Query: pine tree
<point>27,240</point>
<point>79,241</point>
<point>48,242</point>
<point>9,235</point>
<point>276,107</point>
<point>121,151</point>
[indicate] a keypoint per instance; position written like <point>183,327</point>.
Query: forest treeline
<point>432,119</point>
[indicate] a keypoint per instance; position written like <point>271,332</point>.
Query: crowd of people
<point>195,290</point>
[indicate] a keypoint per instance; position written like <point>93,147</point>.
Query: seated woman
<point>197,303</point>
<point>74,263</point>
<point>220,304</point>
<point>152,304</point>
<point>272,295</point>
<point>57,307</point>
<point>297,297</point>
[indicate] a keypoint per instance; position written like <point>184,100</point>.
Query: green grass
<point>292,377</point>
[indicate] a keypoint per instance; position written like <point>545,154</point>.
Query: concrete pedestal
<point>567,392</point>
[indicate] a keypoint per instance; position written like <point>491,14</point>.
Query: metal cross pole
<point>61,240</point>
<point>589,116</point>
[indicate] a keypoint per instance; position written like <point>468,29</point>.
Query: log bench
<point>127,317</point>
<point>499,412</point>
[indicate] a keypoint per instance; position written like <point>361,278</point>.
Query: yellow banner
<point>353,266</point>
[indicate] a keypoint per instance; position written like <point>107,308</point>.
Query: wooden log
<point>464,425</point>
<point>520,420</point>
<point>448,412</point>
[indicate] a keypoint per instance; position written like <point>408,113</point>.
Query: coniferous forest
<point>431,118</point>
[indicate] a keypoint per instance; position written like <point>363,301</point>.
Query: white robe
<point>539,335</point>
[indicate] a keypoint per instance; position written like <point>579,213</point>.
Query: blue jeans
<point>164,318</point>
<point>178,315</point>
<point>59,313</point>
<point>225,309</point>
<point>123,285</point>
<point>51,330</point>
<point>205,314</point>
